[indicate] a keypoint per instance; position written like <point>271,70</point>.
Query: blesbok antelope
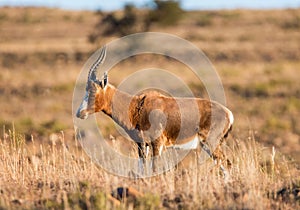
<point>155,119</point>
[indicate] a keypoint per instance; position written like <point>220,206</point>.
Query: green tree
<point>110,24</point>
<point>165,13</point>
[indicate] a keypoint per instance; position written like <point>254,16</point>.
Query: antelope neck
<point>116,102</point>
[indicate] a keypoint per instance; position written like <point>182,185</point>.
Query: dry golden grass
<point>57,174</point>
<point>256,54</point>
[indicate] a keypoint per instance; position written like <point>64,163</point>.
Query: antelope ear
<point>105,80</point>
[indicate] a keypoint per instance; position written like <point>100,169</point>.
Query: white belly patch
<point>193,144</point>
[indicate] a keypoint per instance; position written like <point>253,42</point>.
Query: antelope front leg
<point>142,158</point>
<point>157,148</point>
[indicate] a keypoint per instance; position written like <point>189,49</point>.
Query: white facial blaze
<point>83,106</point>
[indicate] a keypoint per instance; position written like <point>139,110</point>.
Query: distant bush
<point>114,25</point>
<point>123,25</point>
<point>3,17</point>
<point>165,13</point>
<point>205,19</point>
<point>293,23</point>
<point>132,21</point>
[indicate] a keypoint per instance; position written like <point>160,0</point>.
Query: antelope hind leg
<point>217,156</point>
<point>223,162</point>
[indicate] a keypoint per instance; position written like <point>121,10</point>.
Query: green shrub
<point>149,202</point>
<point>293,23</point>
<point>114,25</point>
<point>204,19</point>
<point>165,13</point>
<point>51,126</point>
<point>3,17</point>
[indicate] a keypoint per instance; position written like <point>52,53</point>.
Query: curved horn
<point>93,70</point>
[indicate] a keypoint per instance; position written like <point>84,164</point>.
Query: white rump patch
<point>230,115</point>
<point>231,118</point>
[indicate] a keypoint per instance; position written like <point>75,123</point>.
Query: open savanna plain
<point>42,166</point>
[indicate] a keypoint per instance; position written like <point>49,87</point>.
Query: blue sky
<point>186,4</point>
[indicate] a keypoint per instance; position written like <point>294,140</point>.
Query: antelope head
<point>95,90</point>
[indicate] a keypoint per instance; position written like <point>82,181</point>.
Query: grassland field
<point>257,55</point>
